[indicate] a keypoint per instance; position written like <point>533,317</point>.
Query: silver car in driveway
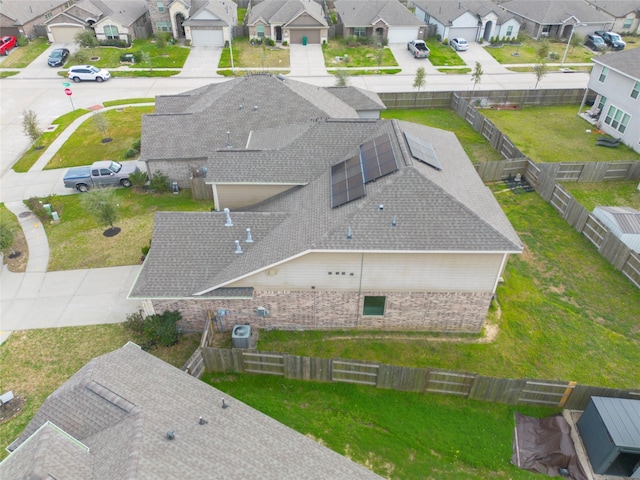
<point>459,44</point>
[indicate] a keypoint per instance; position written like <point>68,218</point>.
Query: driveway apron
<point>306,61</point>
<point>202,62</point>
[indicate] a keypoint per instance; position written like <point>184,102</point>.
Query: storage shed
<point>624,223</point>
<point>610,431</point>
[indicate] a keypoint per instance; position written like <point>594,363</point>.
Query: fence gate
<point>540,393</point>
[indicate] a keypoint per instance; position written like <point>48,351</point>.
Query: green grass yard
<point>591,195</point>
<point>360,56</point>
<point>21,57</point>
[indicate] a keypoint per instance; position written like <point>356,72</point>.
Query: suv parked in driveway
<point>88,72</point>
<point>6,44</point>
<point>595,42</point>
<point>612,39</point>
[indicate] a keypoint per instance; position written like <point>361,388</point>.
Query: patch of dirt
<point>12,408</point>
<point>18,264</point>
<point>111,232</point>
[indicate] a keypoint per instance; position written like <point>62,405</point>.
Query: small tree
<point>102,124</point>
<point>576,41</point>
<point>87,39</point>
<point>543,50</point>
<point>7,237</point>
<point>420,79</point>
<point>342,78</point>
<point>476,75</point>
<point>30,126</point>
<point>540,70</point>
<point>102,204</point>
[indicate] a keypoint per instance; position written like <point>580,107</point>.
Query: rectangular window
<point>161,7</point>
<point>111,32</point>
<point>162,26</point>
<point>359,31</point>
<point>603,74</point>
<point>48,15</point>
<point>545,30</point>
<point>509,30</point>
<point>617,119</point>
<point>374,305</point>
<point>627,23</point>
<point>636,90</point>
<point>602,102</point>
<point>260,31</point>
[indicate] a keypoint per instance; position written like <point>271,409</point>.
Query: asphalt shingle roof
<point>626,62</point>
<point>446,11</point>
<point>617,8</point>
<point>281,12</point>
<point>21,11</point>
<point>121,406</point>
<point>553,12</point>
<point>363,13</point>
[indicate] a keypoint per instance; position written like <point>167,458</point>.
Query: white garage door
<point>402,34</point>
<point>65,34</point>
<point>207,38</point>
<point>469,34</point>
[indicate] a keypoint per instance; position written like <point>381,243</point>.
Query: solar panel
<point>422,151</point>
<point>346,182</point>
<point>377,158</point>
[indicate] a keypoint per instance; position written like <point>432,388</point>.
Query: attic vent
<point>249,238</point>
<point>238,247</point>
<point>228,222</point>
<point>229,139</point>
<point>349,233</point>
<point>394,222</point>
<point>381,207</point>
<point>171,435</point>
<point>255,108</point>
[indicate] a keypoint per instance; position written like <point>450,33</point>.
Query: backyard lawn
<point>601,194</point>
<point>555,134</point>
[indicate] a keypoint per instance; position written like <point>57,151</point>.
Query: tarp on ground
<point>544,445</point>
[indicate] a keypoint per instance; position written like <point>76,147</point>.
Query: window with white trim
<point>617,119</point>
<point>627,23</point>
<point>163,26</point>
<point>160,7</point>
<point>48,15</point>
<point>359,31</point>
<point>509,30</point>
<point>111,32</point>
<point>603,74</point>
<point>636,90</point>
<point>260,31</point>
<point>602,102</point>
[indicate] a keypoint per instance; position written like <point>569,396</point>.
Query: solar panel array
<point>347,182</point>
<point>376,159</point>
<point>422,151</point>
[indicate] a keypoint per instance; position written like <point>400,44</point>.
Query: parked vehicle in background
<point>595,42</point>
<point>612,40</point>
<point>57,57</point>
<point>101,174</point>
<point>418,49</point>
<point>78,73</point>
<point>7,43</point>
<point>459,44</point>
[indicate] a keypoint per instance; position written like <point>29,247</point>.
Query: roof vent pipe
<point>240,107</point>
<point>381,207</point>
<point>249,238</point>
<point>228,223</point>
<point>255,108</point>
<point>349,233</point>
<point>170,435</point>
<point>238,247</point>
<point>394,222</point>
<point>228,139</point>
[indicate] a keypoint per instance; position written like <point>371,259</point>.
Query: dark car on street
<point>58,57</point>
<point>595,42</point>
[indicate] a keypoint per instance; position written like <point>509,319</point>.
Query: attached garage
<point>207,38</point>
<point>64,34</point>
<point>296,36</point>
<point>402,34</point>
<point>469,34</point>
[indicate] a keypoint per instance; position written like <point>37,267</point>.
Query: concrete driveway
<point>407,63</point>
<point>306,61</point>
<point>202,62</point>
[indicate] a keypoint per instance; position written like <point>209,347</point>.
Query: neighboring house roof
<point>364,13</point>
<point>555,12</point>
<point>624,223</point>
<point>124,12</point>
<point>617,8</point>
<point>447,210</point>
<point>446,11</point>
<point>206,13</point>
<point>282,12</point>
<point>22,11</point>
<point>626,62</point>
<point>359,99</point>
<point>110,420</point>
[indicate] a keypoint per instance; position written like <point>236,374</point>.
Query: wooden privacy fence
<point>426,380</point>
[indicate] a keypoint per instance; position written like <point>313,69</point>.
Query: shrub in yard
<point>136,145</point>
<point>114,43</point>
<point>37,207</point>
<point>285,43</point>
<point>154,330</point>
<point>270,42</point>
<point>23,41</point>
<point>138,179</point>
<point>159,183</point>
<point>135,323</point>
<point>137,57</point>
<point>130,153</point>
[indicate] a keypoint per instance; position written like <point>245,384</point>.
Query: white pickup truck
<point>103,173</point>
<point>418,49</point>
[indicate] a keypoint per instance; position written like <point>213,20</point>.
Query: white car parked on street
<point>78,73</point>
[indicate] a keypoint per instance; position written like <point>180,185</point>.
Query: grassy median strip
<point>398,435</point>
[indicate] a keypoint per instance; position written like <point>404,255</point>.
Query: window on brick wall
<point>260,31</point>
<point>627,23</point>
<point>163,26</point>
<point>374,305</point>
<point>359,31</point>
<point>111,32</point>
<point>161,7</point>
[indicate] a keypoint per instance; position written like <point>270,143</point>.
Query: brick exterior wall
<point>315,310</point>
<point>156,16</point>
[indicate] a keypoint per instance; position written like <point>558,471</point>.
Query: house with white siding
<point>321,218</point>
<point>615,77</point>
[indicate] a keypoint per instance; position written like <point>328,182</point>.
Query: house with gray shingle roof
<point>334,221</point>
<point>205,23</point>
<point>27,18</point>
<point>291,21</point>
<point>472,20</point>
<point>615,77</point>
<point>386,20</point>
<point>557,18</point>
<point>625,12</point>
<point>128,414</point>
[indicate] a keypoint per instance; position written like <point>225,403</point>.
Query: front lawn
<point>555,134</point>
<point>85,146</point>
<point>169,56</point>
<point>21,57</point>
<point>398,435</point>
<point>76,241</point>
<point>527,52</point>
<point>357,56</point>
<point>246,55</point>
<point>443,55</point>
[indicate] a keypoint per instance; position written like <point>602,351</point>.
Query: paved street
<point>40,299</point>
